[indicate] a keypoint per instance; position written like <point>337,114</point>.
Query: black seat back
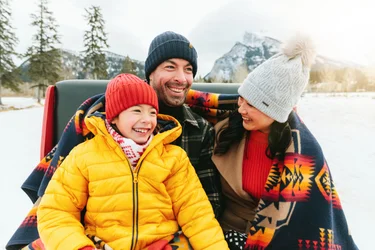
<point>71,93</point>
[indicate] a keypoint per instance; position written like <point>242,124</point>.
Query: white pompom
<point>300,45</point>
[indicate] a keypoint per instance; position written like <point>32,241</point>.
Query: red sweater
<point>256,164</point>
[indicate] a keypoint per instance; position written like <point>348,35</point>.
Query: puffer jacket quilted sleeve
<point>64,198</point>
<point>192,208</point>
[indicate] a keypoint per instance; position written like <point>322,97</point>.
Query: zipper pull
<point>135,178</point>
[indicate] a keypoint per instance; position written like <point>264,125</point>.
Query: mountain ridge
<point>255,49</point>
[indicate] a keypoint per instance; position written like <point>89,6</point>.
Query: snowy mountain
<point>233,66</point>
<point>243,58</point>
<point>251,52</point>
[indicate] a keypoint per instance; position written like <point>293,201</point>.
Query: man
<point>170,67</point>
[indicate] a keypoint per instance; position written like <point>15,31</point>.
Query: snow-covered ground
<point>16,103</point>
<point>344,126</point>
<point>345,129</point>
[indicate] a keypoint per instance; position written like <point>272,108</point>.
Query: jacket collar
<point>188,116</point>
<point>230,164</point>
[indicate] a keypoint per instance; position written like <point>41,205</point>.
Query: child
<point>136,187</point>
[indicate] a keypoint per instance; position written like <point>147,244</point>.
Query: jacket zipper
<point>135,201</point>
<point>135,206</point>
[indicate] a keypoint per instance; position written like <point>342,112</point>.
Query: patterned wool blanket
<point>300,207</point>
<point>210,105</point>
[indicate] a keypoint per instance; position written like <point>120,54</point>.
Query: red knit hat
<point>125,91</point>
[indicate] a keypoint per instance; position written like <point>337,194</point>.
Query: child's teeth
<point>141,130</point>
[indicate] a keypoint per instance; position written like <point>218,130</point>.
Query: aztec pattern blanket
<point>209,105</point>
<point>300,207</point>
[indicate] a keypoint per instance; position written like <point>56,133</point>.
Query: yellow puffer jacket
<point>127,209</point>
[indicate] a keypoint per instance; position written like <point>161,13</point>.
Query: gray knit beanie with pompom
<point>275,86</point>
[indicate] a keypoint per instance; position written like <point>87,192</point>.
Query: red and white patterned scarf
<point>132,150</point>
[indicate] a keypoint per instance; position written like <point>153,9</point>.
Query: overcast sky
<point>342,29</point>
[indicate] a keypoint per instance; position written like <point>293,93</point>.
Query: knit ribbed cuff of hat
<point>263,103</point>
<point>175,48</point>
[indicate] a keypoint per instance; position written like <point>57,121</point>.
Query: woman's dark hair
<point>279,137</point>
<point>232,132</point>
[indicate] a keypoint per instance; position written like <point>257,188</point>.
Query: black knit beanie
<point>166,46</point>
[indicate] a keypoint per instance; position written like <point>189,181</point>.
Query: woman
<point>276,183</point>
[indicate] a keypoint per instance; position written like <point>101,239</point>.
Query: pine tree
<point>44,57</point>
<point>8,74</point>
<point>95,40</point>
<point>128,66</point>
<point>198,78</point>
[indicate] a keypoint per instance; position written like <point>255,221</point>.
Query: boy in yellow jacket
<point>137,188</point>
